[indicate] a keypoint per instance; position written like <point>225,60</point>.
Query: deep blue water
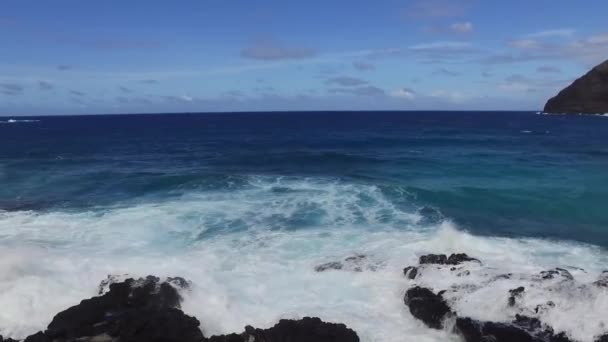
<point>492,173</point>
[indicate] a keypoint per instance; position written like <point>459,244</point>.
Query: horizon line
<point>277,111</point>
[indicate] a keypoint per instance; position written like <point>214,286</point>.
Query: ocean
<point>245,205</point>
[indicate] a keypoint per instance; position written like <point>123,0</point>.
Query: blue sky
<point>117,56</point>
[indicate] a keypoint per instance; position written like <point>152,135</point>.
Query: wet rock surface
<point>144,309</point>
<point>556,273</point>
<point>603,280</point>
<point>427,306</point>
<point>442,259</point>
<point>6,339</point>
<point>435,309</point>
<point>148,309</point>
<point>410,272</point>
<point>514,294</point>
<point>523,329</point>
<point>307,329</point>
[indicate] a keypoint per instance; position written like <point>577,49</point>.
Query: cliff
<point>588,94</point>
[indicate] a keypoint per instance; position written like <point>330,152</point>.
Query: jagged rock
<point>442,259</point>
<point>147,310</point>
<point>104,285</point>
<point>588,94</point>
<point>427,306</point>
<point>38,337</point>
<point>410,272</point>
<point>438,259</point>
<point>544,307</point>
<point>228,338</point>
<point>356,263</point>
<point>514,294</point>
<point>523,329</point>
<point>305,330</point>
<point>459,258</point>
<point>603,338</point>
<point>334,265</point>
<point>2,339</point>
<point>134,310</point>
<point>552,274</point>
<point>603,280</point>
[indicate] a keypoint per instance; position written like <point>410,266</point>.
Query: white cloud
<point>451,95</point>
<point>404,93</point>
<point>560,33</point>
<point>599,39</point>
<point>441,46</point>
<point>525,44</point>
<point>464,27</point>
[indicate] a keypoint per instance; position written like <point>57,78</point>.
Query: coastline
<point>149,309</point>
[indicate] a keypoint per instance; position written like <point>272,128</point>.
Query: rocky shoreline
<point>434,311</point>
<point>148,309</point>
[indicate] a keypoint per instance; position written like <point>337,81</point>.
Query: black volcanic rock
<point>556,273</point>
<point>514,294</point>
<point>38,337</point>
<point>442,259</point>
<point>438,259</point>
<point>305,330</point>
<point>410,272</point>
<point>6,339</point>
<point>459,258</point>
<point>602,282</point>
<point>588,94</point>
<point>147,310</point>
<point>522,329</point>
<point>134,310</point>
<point>427,306</point>
<point>603,338</point>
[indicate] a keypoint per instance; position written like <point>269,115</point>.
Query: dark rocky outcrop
<point>437,259</point>
<point>433,309</point>
<point>134,310</point>
<point>427,306</point>
<point>147,310</point>
<point>410,272</point>
<point>6,339</point>
<point>588,94</point>
<point>442,259</point>
<point>603,338</point>
<point>522,329</point>
<point>602,281</point>
<point>514,294</point>
<point>305,330</point>
<point>556,273</point>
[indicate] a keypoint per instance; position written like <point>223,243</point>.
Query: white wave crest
<point>255,273</point>
<point>12,121</point>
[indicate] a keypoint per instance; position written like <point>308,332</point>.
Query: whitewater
<point>251,251</point>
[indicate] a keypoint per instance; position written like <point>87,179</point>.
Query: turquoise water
<point>496,173</point>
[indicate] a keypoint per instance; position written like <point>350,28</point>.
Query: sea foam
<point>251,253</point>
